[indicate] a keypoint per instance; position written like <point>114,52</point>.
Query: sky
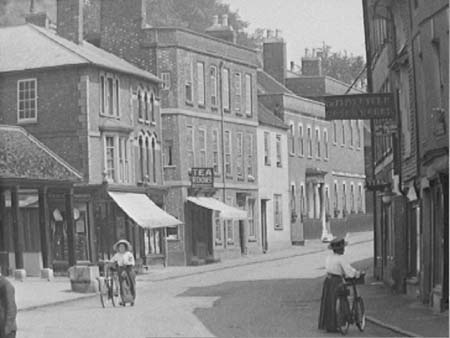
<point>307,23</point>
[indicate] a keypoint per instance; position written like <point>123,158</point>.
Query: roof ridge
<point>44,32</point>
<point>50,152</point>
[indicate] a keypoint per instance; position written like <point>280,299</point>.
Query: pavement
<point>404,316</point>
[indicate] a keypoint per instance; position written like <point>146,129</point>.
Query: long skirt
<point>327,315</point>
<point>127,280</point>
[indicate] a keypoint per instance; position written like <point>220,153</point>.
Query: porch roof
<point>24,158</point>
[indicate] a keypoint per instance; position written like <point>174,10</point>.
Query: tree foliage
<point>340,65</point>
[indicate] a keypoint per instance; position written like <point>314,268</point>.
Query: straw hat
<point>122,241</point>
<point>337,243</point>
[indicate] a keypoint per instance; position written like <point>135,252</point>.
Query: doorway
<point>264,243</point>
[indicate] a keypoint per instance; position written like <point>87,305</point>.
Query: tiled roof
<point>266,117</point>
<point>23,157</point>
<point>269,85</point>
<point>31,47</point>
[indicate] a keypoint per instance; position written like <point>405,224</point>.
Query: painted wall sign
<point>359,106</point>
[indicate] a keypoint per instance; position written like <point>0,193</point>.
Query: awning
<point>143,211</point>
<point>226,211</point>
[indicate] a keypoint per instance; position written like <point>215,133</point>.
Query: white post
<point>326,234</point>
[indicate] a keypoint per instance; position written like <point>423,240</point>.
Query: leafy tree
<point>340,65</point>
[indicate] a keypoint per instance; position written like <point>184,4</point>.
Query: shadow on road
<point>266,308</point>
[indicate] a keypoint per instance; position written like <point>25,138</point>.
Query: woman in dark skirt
<point>337,268</point>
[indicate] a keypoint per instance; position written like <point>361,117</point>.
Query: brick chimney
<point>222,31</point>
<point>311,64</point>
<point>274,56</point>
<point>122,23</point>
<point>40,19</point>
<point>69,19</point>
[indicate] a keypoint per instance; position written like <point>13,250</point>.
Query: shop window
<point>230,231</point>
<point>218,228</point>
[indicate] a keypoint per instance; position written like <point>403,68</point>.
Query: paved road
<point>270,299</point>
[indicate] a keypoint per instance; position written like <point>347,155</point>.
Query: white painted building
<point>273,181</point>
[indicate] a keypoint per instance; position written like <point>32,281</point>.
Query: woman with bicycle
<point>337,269</point>
<point>127,278</point>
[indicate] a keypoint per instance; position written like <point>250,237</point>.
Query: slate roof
<point>269,85</point>
<point>31,47</point>
<point>22,156</point>
<point>266,117</point>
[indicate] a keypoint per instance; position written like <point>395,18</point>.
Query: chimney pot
<point>278,33</point>
<point>292,66</point>
<point>225,20</point>
<point>306,51</point>
<point>215,20</point>
<point>269,33</point>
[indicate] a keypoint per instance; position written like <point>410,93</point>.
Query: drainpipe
<point>222,127</point>
<point>372,126</point>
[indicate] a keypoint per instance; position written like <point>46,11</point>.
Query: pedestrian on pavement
<point>127,277</point>
<point>8,309</point>
<point>337,268</point>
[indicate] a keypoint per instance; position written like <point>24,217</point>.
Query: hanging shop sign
<point>202,177</point>
<point>359,106</point>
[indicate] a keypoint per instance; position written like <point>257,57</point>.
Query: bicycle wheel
<point>103,291</point>
<point>342,315</point>
<point>360,315</point>
<point>115,291</point>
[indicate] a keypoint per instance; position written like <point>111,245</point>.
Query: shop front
<point>213,230</point>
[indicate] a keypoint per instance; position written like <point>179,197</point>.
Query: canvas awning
<point>226,211</point>
<point>143,211</point>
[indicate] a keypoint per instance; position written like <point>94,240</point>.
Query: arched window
<point>148,153</point>
<point>154,159</point>
<point>146,106</point>
<point>152,107</point>
<point>141,159</point>
<point>140,110</point>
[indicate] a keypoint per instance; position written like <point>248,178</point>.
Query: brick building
<point>407,53</point>
<point>101,115</point>
<point>209,119</point>
<point>326,160</point>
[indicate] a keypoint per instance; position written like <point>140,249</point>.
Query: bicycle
<point>108,285</point>
<point>346,315</point>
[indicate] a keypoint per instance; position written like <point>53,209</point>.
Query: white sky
<point>306,23</point>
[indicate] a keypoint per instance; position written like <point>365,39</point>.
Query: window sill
<point>229,176</point>
<point>279,166</point>
<point>171,166</point>
<point>27,121</point>
<point>238,113</point>
<point>189,103</point>
<point>115,117</point>
<point>310,157</point>
<point>278,228</point>
<point>252,240</point>
<point>230,243</point>
<point>268,164</point>
<point>218,243</point>
<point>291,154</point>
<point>250,179</point>
<point>153,123</point>
<point>141,120</point>
<point>240,178</point>
<point>201,105</point>
<point>300,155</point>
<point>226,110</point>
<point>214,108</point>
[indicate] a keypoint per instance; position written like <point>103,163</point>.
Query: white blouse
<point>122,259</point>
<point>338,265</point>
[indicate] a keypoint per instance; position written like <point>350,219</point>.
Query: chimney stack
<point>223,31</point>
<point>274,56</point>
<point>69,19</point>
<point>292,66</point>
<point>312,65</point>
